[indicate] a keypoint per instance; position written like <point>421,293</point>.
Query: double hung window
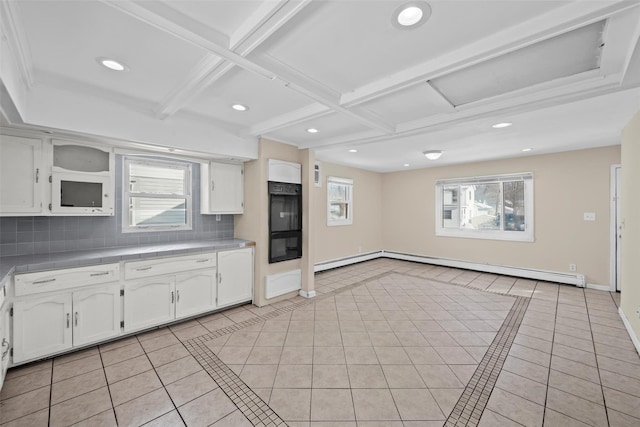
<point>156,195</point>
<point>339,201</point>
<point>490,207</point>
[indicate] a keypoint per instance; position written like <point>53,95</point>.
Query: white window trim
<point>349,220</point>
<point>520,236</point>
<point>126,193</point>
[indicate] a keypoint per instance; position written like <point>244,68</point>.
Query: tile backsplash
<point>41,234</point>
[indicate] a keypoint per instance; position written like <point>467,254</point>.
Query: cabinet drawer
<point>154,267</point>
<point>56,280</point>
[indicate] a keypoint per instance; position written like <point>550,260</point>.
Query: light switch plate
<point>589,216</point>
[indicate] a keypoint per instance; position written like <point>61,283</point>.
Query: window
<point>490,207</point>
<point>156,196</point>
<point>339,201</point>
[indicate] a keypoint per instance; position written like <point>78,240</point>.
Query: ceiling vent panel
<point>565,55</point>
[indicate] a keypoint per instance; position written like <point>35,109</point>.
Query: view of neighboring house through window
<point>339,201</point>
<point>492,207</point>
<point>156,195</point>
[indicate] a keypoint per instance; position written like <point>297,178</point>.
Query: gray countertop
<point>39,262</point>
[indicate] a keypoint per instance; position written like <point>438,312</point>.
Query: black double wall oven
<point>285,221</point>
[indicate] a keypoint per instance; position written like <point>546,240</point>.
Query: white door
<point>226,188</point>
<point>5,341</point>
<point>21,175</point>
<point>149,303</point>
<point>195,293</point>
<point>235,276</point>
<point>96,314</point>
<point>41,327</point>
<point>618,202</point>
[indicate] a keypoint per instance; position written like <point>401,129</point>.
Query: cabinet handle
<point>202,260</point>
<point>44,281</point>
<point>213,185</point>
<point>219,277</point>
<point>177,296</point>
<point>104,273</point>
<point>143,268</point>
<point>37,175</point>
<point>5,343</point>
<point>172,297</point>
<point>68,315</point>
<point>76,319</point>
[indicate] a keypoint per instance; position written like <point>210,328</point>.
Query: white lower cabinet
<point>152,302</point>
<point>47,325</point>
<point>235,276</point>
<point>5,342</point>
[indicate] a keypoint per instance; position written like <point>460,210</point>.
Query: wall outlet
<point>359,249</point>
<point>573,267</point>
<point>589,216</point>
<point>218,217</point>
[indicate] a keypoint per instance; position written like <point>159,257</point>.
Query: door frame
<point>613,230</point>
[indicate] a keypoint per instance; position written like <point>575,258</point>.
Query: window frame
<point>509,235</point>
<point>340,181</point>
<point>126,194</point>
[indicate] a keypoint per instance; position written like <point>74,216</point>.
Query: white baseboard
<point>341,262</point>
<point>599,287</point>
<point>632,334</point>
<point>550,276</point>
<point>307,294</point>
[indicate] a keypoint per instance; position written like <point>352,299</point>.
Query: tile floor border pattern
<point>260,414</point>
<point>473,401</point>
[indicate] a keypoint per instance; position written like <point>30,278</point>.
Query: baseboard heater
<point>282,283</point>
<point>549,276</point>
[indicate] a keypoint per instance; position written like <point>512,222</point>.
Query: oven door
<point>285,245</point>
<point>284,212</point>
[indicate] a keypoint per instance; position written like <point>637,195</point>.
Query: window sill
<point>504,236</point>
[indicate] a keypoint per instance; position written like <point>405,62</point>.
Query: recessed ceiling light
<point>432,154</point>
<point>527,149</point>
<point>353,150</point>
<point>411,14</point>
<point>239,107</point>
<point>112,64</point>
<point>501,125</point>
<point>406,165</point>
<point>312,130</point>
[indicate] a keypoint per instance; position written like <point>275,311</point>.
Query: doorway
<point>616,227</point>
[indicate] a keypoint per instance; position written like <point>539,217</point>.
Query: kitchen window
<point>339,201</point>
<point>156,195</point>
<point>490,207</point>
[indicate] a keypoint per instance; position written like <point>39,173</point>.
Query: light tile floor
<point>386,343</point>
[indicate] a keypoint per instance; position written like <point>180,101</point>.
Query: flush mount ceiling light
<point>406,165</point>
<point>239,107</point>
<point>112,64</point>
<point>411,15</point>
<point>432,154</point>
<point>501,125</point>
<point>312,130</point>
<point>353,150</point>
<point>527,149</point>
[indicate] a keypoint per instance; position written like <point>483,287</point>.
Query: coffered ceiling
<point>566,74</point>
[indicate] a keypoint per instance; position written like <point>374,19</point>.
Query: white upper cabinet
<point>22,176</point>
<point>222,188</point>
<point>82,179</point>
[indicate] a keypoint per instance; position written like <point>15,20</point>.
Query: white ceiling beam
<point>265,21</point>
<point>555,22</point>
<point>620,40</point>
<point>309,112</point>
<point>17,40</point>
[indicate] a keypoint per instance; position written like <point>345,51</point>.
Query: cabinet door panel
<point>195,293</point>
<point>223,190</point>
<point>5,341</point>
<point>235,276</point>
<point>148,303</point>
<point>96,314</point>
<point>41,326</point>
<point>21,176</point>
